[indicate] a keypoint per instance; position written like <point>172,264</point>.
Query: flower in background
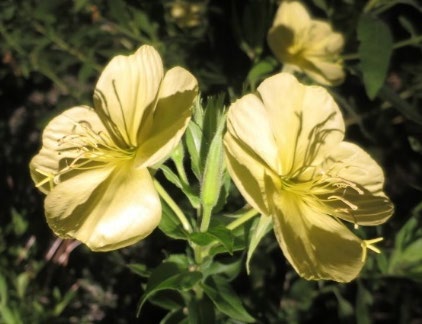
<point>294,166</point>
<point>307,45</point>
<point>187,14</point>
<point>93,164</point>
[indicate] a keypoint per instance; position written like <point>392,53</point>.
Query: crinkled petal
<point>249,122</point>
<point>61,140</point>
<point>316,245</point>
<point>128,87</point>
<point>247,171</point>
<point>363,201</point>
<point>306,123</point>
<point>162,128</point>
<point>349,161</point>
<point>105,208</point>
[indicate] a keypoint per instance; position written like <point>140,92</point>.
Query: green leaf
<point>170,224</point>
<point>225,299</point>
<point>364,301</point>
<point>229,270</point>
<point>22,282</point>
<point>375,49</point>
<point>176,316</point>
<point>3,291</point>
<point>260,70</point>
<point>169,276</point>
<point>186,189</point>
<point>409,111</point>
<point>168,299</point>
<point>201,311</point>
<point>259,229</point>
<point>193,139</point>
<point>139,269</point>
<point>219,234</point>
<point>8,316</point>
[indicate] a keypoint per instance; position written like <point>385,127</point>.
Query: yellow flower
<point>93,164</point>
<point>307,45</point>
<point>286,154</point>
<point>187,14</point>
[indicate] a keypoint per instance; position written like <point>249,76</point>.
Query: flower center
<point>86,149</point>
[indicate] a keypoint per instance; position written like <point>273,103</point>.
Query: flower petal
<point>310,45</point>
<point>363,201</point>
<point>249,122</point>
<point>316,245</point>
<point>290,24</point>
<point>105,208</point>
<point>162,128</point>
<point>61,139</point>
<point>247,171</point>
<point>292,14</point>
<point>126,88</point>
<point>324,72</point>
<point>306,123</point>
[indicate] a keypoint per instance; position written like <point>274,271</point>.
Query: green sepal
<point>259,229</point>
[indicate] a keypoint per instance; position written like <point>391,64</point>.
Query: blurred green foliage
<point>51,55</point>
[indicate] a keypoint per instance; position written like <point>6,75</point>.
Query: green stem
<point>370,5</point>
<point>172,204</point>
<point>242,219</point>
<point>206,218</point>
<point>403,43</point>
<point>409,41</point>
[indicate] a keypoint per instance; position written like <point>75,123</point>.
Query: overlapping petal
<point>249,122</point>
<point>112,207</point>
<point>360,200</point>
<point>247,170</point>
<point>128,87</point>
<point>316,245</point>
<point>163,127</point>
<point>62,139</point>
<point>306,121</point>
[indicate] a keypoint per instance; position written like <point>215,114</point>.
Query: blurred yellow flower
<point>286,154</point>
<point>307,45</point>
<point>187,14</point>
<point>93,164</point>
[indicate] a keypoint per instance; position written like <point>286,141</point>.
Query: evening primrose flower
<point>307,45</point>
<point>286,154</point>
<point>93,164</point>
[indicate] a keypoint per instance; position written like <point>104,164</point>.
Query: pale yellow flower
<point>306,44</point>
<point>286,154</point>
<point>93,164</point>
<point>187,14</point>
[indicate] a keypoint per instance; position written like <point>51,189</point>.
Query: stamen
<point>345,201</point>
<point>89,147</point>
